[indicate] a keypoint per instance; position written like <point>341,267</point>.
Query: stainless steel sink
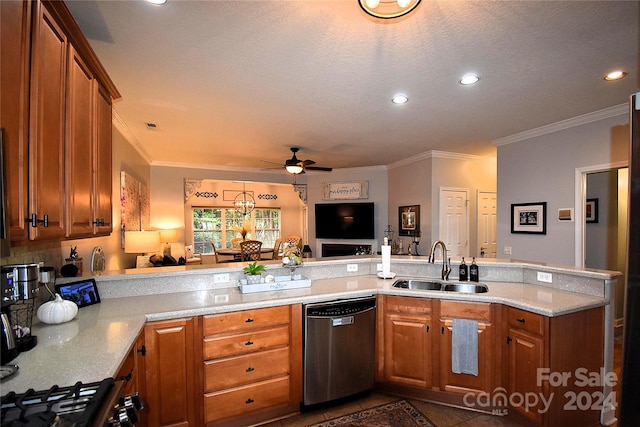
<point>466,288</point>
<point>424,285</point>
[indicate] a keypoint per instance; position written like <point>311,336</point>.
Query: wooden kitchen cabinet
<point>171,381</point>
<point>132,371</point>
<point>465,383</point>
<point>408,341</point>
<point>55,95</point>
<point>560,345</point>
<point>252,365</point>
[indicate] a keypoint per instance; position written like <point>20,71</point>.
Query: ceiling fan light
<point>372,4</point>
<point>294,169</point>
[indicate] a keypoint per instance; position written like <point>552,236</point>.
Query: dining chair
<point>276,248</point>
<point>215,253</point>
<point>292,240</point>
<point>235,242</point>
<point>250,250</point>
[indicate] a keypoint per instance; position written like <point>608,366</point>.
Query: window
<point>217,224</point>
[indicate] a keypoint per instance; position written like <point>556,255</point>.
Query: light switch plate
<point>352,268</point>
<point>507,250</point>
<point>379,266</point>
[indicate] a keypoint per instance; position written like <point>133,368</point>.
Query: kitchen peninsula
<point>94,345</point>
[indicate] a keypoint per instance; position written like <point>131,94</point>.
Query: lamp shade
<point>169,236</point>
<point>136,242</point>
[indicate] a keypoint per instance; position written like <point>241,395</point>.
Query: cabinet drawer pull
<point>249,343</point>
<point>521,320</point>
<point>249,320</point>
<point>442,330</point>
<point>427,328</point>
<point>509,340</point>
<point>249,369</point>
<point>249,400</point>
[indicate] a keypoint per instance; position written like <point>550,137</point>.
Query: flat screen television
<point>345,221</point>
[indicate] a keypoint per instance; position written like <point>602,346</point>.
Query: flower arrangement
<point>243,229</point>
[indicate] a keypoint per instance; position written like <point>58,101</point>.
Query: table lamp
<point>167,237</point>
<point>136,242</point>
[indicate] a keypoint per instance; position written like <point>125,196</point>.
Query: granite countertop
<point>93,345</point>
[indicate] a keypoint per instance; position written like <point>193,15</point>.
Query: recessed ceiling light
<point>469,79</point>
<point>615,75</point>
<point>157,2</point>
<point>399,99</point>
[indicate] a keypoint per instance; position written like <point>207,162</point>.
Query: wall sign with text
<point>346,190</point>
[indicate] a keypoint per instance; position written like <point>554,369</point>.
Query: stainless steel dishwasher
<point>339,349</point>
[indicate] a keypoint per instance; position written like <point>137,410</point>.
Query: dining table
<point>235,252</point>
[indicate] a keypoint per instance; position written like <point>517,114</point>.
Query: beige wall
<point>418,182</point>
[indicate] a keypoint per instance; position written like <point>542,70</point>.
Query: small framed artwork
<point>408,220</point>
<point>530,218</point>
<point>591,210</point>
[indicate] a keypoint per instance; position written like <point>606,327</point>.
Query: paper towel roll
<point>386,260</point>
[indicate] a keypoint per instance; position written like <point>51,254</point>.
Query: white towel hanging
<point>464,346</point>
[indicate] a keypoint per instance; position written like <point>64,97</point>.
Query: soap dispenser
<point>473,271</point>
<point>462,271</point>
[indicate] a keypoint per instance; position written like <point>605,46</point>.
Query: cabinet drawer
<point>465,310</point>
<point>246,319</point>
<point>226,373</point>
<point>240,400</point>
<point>526,320</point>
<point>408,305</point>
<point>249,342</point>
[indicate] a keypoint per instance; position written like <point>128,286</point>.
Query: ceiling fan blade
<point>318,168</point>
<point>308,162</point>
<point>273,163</point>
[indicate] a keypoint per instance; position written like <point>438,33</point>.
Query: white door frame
<point>581,200</point>
<point>466,207</point>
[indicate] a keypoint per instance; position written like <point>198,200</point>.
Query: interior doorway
<point>454,221</point>
<point>487,222</point>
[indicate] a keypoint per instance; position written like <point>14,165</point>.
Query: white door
<point>454,221</point>
<point>487,203</point>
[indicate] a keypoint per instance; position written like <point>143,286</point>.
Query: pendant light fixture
<point>244,202</point>
<point>388,9</point>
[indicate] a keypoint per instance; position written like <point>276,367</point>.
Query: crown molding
<point>124,130</point>
<point>606,113</point>
<point>435,154</point>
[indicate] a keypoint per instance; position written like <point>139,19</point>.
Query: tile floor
<point>442,416</point>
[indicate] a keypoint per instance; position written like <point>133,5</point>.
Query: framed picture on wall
<point>529,218</point>
<point>591,210</point>
<point>408,220</point>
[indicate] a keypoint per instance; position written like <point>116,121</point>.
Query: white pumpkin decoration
<point>57,311</point>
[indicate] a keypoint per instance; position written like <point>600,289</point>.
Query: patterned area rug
<point>395,414</point>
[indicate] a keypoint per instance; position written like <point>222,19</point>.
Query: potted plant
<point>253,273</point>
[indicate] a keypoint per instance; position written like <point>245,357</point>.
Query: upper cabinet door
<point>102,165</point>
<point>15,48</point>
<point>46,156</point>
<point>79,147</point>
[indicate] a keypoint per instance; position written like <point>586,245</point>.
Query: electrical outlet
<point>352,268</point>
<point>379,266</point>
<point>507,250</point>
<point>221,278</point>
<point>545,277</point>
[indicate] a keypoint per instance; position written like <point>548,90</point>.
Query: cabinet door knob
<point>521,320</point>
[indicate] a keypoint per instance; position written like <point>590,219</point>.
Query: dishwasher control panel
<point>340,308</point>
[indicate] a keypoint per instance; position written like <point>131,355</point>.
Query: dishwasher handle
<point>342,321</point>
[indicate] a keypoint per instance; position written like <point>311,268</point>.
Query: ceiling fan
<point>295,166</point>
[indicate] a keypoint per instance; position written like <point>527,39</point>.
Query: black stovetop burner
<point>58,406</point>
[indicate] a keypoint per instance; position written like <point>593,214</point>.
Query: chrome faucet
<point>446,263</point>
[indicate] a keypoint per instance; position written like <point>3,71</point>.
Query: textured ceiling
<point>233,82</point>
